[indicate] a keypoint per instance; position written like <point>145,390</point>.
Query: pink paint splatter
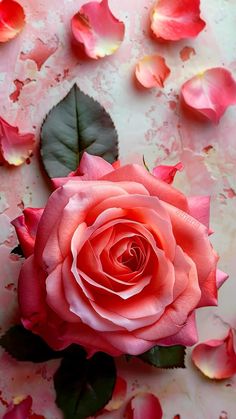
<point>14,96</point>
<point>230,192</point>
<point>10,287</point>
<point>208,148</point>
<point>41,51</point>
<point>172,105</point>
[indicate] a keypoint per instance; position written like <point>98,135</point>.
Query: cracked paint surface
<point>150,124</point>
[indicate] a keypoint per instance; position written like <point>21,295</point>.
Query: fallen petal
<point>118,396</point>
<point>12,20</point>
<point>15,148</point>
<point>210,93</point>
<point>216,359</point>
<point>152,71</point>
<point>96,29</point>
<point>144,405</point>
<point>186,53</point>
<point>167,173</point>
<point>176,19</point>
<point>20,410</point>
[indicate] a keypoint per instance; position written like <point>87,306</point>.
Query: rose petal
<point>15,148</point>
<point>167,173</point>
<point>12,19</point>
<point>85,336</point>
<point>210,93</point>
<point>144,405</point>
<point>146,209</point>
<point>192,237</point>
<point>118,395</point>
<point>90,168</point>
<point>199,208</point>
<point>177,316</point>
<point>176,19</point>
<point>21,410</point>
<point>56,296</point>
<point>70,212</point>
<point>97,30</point>
<point>221,277</point>
<point>31,294</point>
<point>137,173</point>
<point>26,228</point>
<point>187,336</point>
<point>152,71</point>
<point>216,359</point>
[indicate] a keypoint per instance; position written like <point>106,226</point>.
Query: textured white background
<point>150,124</point>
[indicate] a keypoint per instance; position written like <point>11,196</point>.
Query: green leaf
<point>78,123</point>
<point>24,345</point>
<point>18,251</point>
<point>165,356</point>
<point>84,386</point>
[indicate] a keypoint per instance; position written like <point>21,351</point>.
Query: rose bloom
<point>118,261</point>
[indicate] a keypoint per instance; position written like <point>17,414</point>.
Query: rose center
<point>133,257</point>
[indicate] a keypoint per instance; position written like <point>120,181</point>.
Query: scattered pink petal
<point>12,19</point>
<point>176,19</point>
<point>152,71</point>
<point>15,148</point>
<point>167,173</point>
<point>21,410</point>
<point>216,359</point>
<point>41,51</point>
<point>186,53</point>
<point>118,396</point>
<point>210,93</point>
<point>143,405</point>
<point>96,29</point>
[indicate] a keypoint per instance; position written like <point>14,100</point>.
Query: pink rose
<point>119,262</point>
